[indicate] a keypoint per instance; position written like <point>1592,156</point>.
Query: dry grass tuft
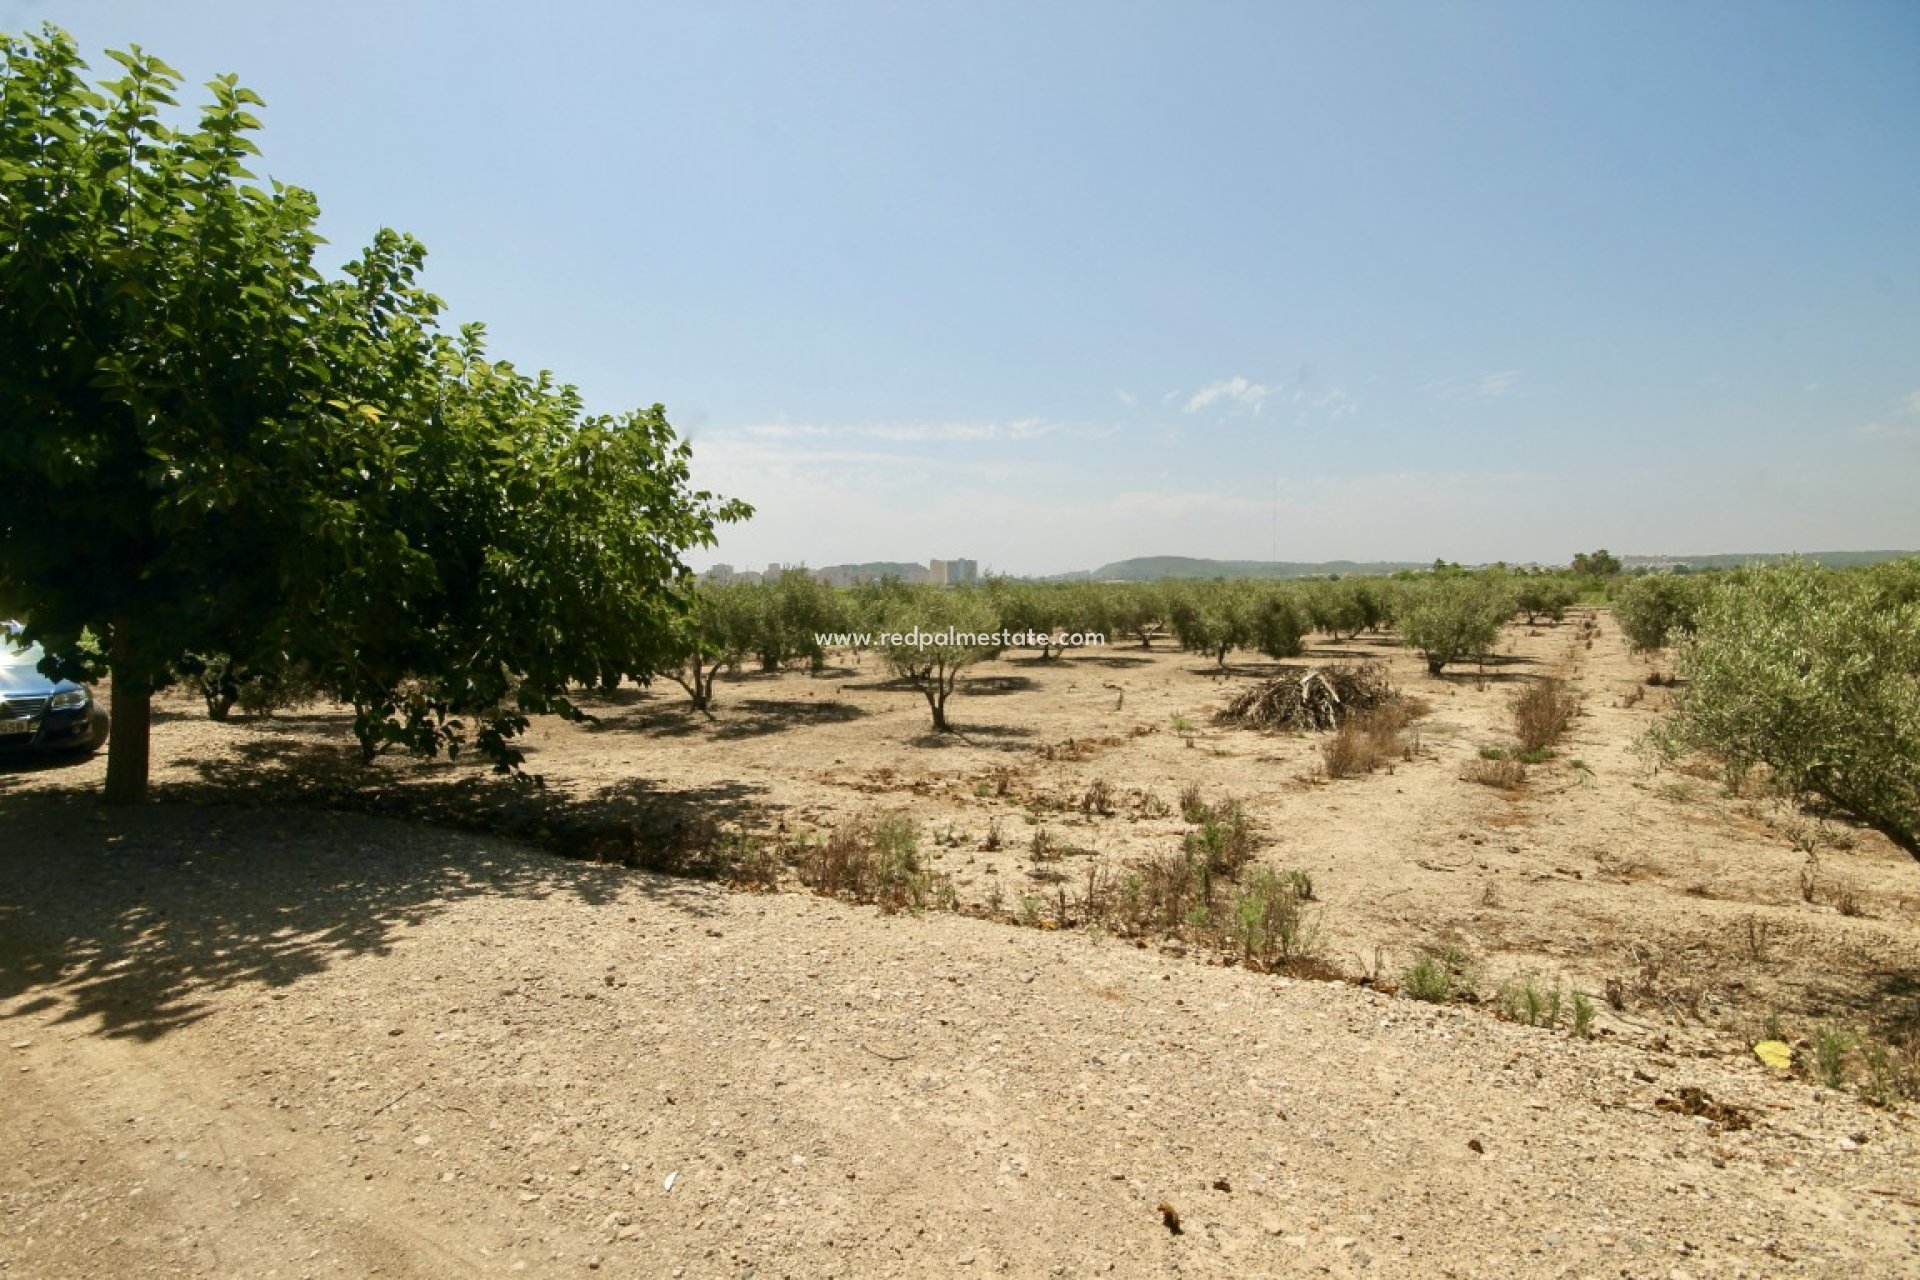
<point>1542,713</point>
<point>875,860</point>
<point>1502,772</point>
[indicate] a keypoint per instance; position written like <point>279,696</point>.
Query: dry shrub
<point>1350,752</point>
<point>1542,713</point>
<point>874,860</point>
<point>1098,799</point>
<point>1504,772</point>
<point>1369,740</point>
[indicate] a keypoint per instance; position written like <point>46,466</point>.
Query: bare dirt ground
<point>274,1041</point>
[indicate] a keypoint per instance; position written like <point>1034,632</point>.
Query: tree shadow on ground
<point>973,735</point>
<point>729,721</point>
<point>995,686</point>
<point>16,765</point>
<point>895,684</point>
<point>132,918</point>
<point>1481,675</point>
<point>1255,669</point>
<point>758,717</point>
<point>1110,660</point>
<point>637,823</point>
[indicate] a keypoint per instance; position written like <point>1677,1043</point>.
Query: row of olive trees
<point>1450,616</point>
<point>1807,677</point>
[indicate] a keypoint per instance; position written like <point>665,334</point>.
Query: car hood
<point>25,680</point>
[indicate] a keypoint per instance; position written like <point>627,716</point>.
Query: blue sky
<point>1051,284</point>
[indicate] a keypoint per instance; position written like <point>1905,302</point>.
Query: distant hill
<point>1733,560</point>
<point>1156,568</point>
<point>873,571</point>
<point>1152,568</point>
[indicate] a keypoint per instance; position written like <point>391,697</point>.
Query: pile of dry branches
<point>1311,697</point>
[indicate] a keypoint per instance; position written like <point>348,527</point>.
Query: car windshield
<point>17,657</point>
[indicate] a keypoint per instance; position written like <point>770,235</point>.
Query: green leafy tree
<point>796,608</point>
<point>1596,564</point>
<point>1213,618</point>
<point>1545,595</point>
<point>1136,609</point>
<point>1657,608</point>
<point>1814,675</point>
<point>214,450</point>
<point>716,630</point>
<point>1455,616</point>
<point>929,637</point>
<point>1276,623</point>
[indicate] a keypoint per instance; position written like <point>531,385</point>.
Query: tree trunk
<point>1435,664</point>
<point>129,742</point>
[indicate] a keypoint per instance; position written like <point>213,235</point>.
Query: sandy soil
<point>251,1042</point>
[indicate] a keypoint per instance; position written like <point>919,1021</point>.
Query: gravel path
<point>263,1044</point>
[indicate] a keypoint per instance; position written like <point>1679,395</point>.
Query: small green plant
<point>744,862</point>
<point>1831,1048</point>
<point>1583,1011</point>
<point>1270,924</point>
<point>1429,980</point>
<point>1185,728</point>
<point>1534,755</point>
<point>871,860</point>
<point>1029,910</point>
<point>1529,1001</point>
<point>1192,806</point>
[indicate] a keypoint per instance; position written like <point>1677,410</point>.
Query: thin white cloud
<point>1495,385</point>
<point>1909,408</point>
<point>1888,431</point>
<point>1487,386</point>
<point>1126,397</point>
<point>1234,390</point>
<point>898,433</point>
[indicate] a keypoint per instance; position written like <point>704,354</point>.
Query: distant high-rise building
<point>720,575</point>
<point>953,573</point>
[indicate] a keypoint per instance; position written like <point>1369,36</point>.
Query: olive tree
<point>1539,595</point>
<point>1657,608</point>
<point>1815,675</point>
<point>1276,622</point>
<point>715,631</point>
<point>1453,616</point>
<point>929,637</point>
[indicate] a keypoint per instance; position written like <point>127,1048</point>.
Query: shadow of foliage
<point>133,916</point>
<point>995,686</point>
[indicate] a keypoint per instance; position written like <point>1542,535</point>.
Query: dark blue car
<point>39,714</point>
